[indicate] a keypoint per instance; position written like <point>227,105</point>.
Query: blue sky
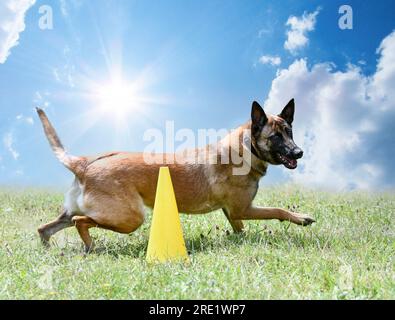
<point>200,64</point>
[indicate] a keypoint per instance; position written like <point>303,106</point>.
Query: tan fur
<point>111,190</point>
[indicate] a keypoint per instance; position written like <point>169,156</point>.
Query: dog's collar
<point>261,165</point>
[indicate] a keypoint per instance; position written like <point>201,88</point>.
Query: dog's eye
<point>289,132</point>
<point>277,136</point>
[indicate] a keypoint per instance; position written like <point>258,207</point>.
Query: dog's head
<point>271,136</point>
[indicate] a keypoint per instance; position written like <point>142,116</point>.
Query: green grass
<point>347,254</point>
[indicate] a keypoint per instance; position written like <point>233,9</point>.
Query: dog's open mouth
<point>288,162</point>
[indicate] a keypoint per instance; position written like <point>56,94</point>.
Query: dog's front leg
<point>258,213</point>
<point>237,225</point>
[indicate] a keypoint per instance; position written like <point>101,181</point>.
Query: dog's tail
<point>75,164</point>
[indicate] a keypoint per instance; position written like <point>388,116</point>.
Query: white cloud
<point>264,31</point>
<point>41,99</point>
<point>299,26</point>
<point>22,118</point>
<point>273,60</point>
<point>67,6</point>
<point>65,74</point>
<point>9,141</point>
<point>56,74</point>
<point>343,120</point>
<point>12,23</point>
<point>383,85</point>
<point>64,8</point>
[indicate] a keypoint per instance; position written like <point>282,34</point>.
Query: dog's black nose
<point>297,153</point>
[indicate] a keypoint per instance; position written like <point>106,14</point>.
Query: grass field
<point>347,254</point>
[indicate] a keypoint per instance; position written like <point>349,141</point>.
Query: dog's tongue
<point>288,162</point>
<point>291,163</point>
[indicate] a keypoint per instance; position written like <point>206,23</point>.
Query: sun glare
<point>120,101</point>
<point>117,98</point>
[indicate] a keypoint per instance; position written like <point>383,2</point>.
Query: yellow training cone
<point>166,241</point>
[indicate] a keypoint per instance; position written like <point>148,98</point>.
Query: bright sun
<point>117,98</point>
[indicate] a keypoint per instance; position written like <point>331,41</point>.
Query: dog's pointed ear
<point>258,118</point>
<point>288,112</point>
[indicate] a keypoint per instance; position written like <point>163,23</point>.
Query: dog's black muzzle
<point>297,153</point>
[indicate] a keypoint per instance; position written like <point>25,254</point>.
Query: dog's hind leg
<point>49,229</point>
<point>123,215</point>
<point>83,224</point>
<point>237,225</point>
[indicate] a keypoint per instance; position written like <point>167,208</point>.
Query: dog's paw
<point>306,220</point>
<point>43,237</point>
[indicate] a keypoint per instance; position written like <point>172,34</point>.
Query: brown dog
<point>111,190</point>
